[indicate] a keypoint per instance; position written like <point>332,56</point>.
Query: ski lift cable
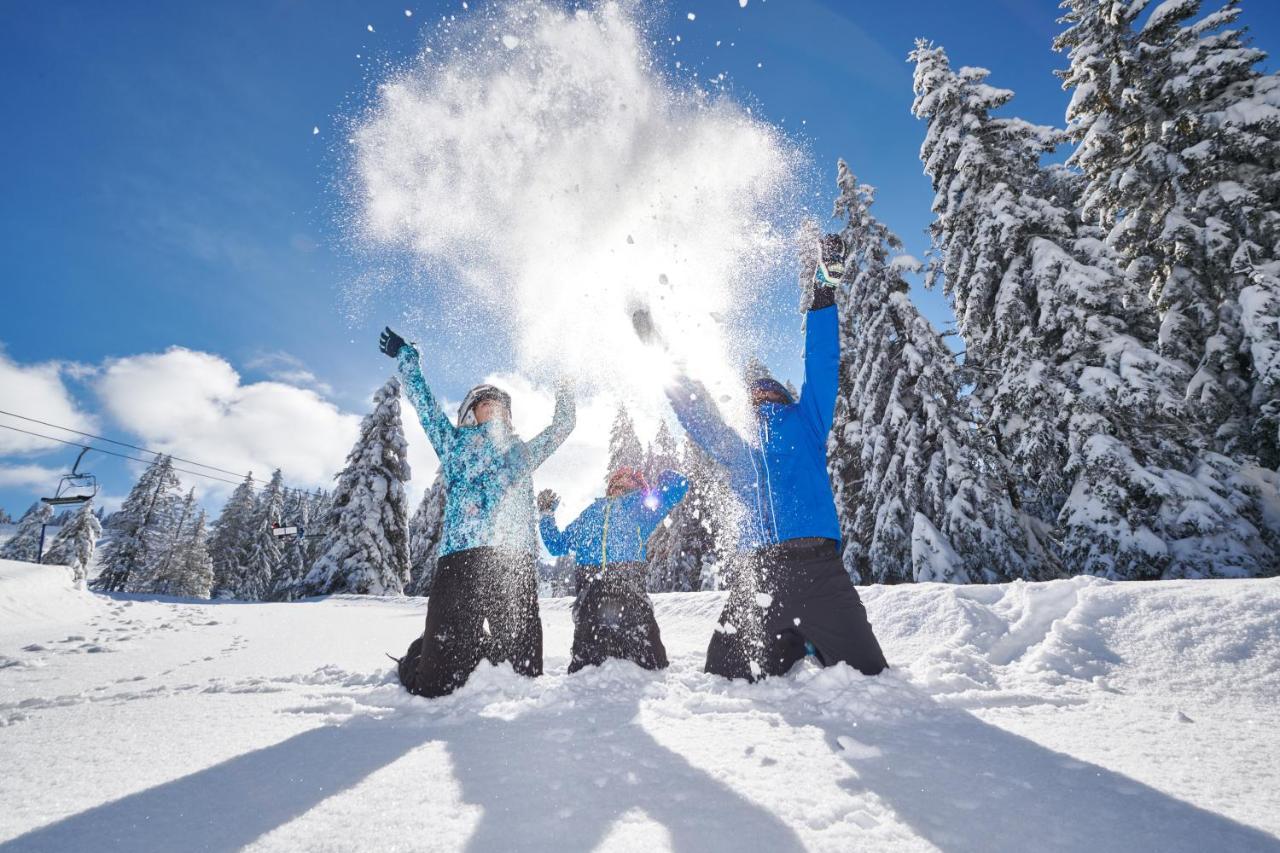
<point>143,461</point>
<point>120,443</point>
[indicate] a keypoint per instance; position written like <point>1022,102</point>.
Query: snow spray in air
<point>539,160</point>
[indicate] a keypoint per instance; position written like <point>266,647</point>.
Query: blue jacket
<point>781,474</point>
<point>614,530</point>
<point>487,469</point>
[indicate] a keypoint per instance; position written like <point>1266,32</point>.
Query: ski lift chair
<point>74,488</point>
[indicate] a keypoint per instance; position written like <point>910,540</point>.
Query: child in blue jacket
<point>613,614</point>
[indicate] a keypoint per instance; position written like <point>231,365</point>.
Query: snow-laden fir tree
<point>366,548</point>
<point>1178,136</point>
<point>5,518</point>
<point>662,454</point>
<point>262,551</point>
<point>25,543</point>
<point>1076,397</point>
<point>694,541</point>
<point>425,529</point>
<point>918,494</point>
<point>293,564</point>
<point>76,541</point>
<point>624,446</point>
<point>185,570</point>
<point>142,530</point>
<point>230,536</point>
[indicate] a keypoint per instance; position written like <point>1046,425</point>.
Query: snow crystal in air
<point>742,4</point>
<point>315,131</point>
<point>764,599</point>
<point>408,13</point>
<point>702,187</point>
<point>370,27</point>
<point>693,17</point>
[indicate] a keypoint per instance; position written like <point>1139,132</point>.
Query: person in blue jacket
<point>484,596</point>
<point>792,596</point>
<point>613,616</point>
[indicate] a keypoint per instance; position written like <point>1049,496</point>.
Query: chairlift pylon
<point>76,487</point>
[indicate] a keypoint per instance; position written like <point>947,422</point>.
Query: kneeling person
<point>613,617</point>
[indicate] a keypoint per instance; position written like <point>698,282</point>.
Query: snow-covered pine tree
<point>694,540</point>
<point>193,577</point>
<point>142,530</point>
<point>292,566</point>
<point>75,543</point>
<point>1178,135</point>
<point>262,552</point>
<point>918,496</point>
<point>624,445</point>
<point>425,530</point>
<point>5,518</point>
<point>1077,399</point>
<point>25,543</point>
<point>366,548</point>
<point>229,537</point>
<point>662,454</point>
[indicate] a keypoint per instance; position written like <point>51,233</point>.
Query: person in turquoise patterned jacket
<point>484,597</point>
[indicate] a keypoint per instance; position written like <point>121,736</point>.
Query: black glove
<point>390,343</point>
<point>547,502</point>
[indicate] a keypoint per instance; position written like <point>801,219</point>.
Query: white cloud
<point>28,475</point>
<point>194,404</point>
<point>38,391</point>
<point>289,369</point>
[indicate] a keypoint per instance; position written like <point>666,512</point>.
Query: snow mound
<point>34,596</point>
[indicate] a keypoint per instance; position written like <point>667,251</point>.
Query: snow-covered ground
<point>1073,715</point>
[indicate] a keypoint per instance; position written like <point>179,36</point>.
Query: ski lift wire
<point>121,443</point>
<point>143,461</point>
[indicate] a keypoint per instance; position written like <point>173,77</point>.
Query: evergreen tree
<point>186,569</point>
<point>366,547</point>
<point>694,542</point>
<point>1078,400</point>
<point>663,454</point>
<point>624,445</point>
<point>1178,136</point>
<point>425,530</point>
<point>916,496</point>
<point>5,518</point>
<point>293,566</point>
<point>143,530</point>
<point>25,543</point>
<point>75,543</point>
<point>230,537</point>
<point>263,550</point>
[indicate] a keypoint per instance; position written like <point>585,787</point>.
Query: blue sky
<point>164,186</point>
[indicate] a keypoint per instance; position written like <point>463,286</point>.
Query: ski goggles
<point>478,395</point>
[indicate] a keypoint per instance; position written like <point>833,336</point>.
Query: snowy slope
<point>1073,715</point>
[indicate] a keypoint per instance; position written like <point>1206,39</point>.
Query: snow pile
<point>1083,714</point>
<point>35,596</point>
<point>538,162</point>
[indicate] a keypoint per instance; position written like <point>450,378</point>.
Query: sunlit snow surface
<point>1074,715</point>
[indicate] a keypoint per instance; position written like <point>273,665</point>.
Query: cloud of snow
<point>38,391</point>
<point>538,162</point>
<point>195,405</point>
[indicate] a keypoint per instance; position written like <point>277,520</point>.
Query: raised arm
<point>821,368</point>
<point>556,540</point>
<point>563,421</point>
<point>700,418</point>
<point>440,430</point>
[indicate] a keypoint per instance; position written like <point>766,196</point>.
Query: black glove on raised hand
<point>390,343</point>
<point>829,273</point>
<point>547,502</point>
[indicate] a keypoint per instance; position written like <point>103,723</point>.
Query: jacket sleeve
<point>556,540</point>
<point>563,421</point>
<point>672,488</point>
<point>440,430</point>
<point>821,368</point>
<point>700,418</point>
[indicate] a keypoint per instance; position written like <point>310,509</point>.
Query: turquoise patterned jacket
<point>487,469</point>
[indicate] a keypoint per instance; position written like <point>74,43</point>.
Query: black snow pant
<point>613,618</point>
<point>783,596</point>
<point>483,606</point>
